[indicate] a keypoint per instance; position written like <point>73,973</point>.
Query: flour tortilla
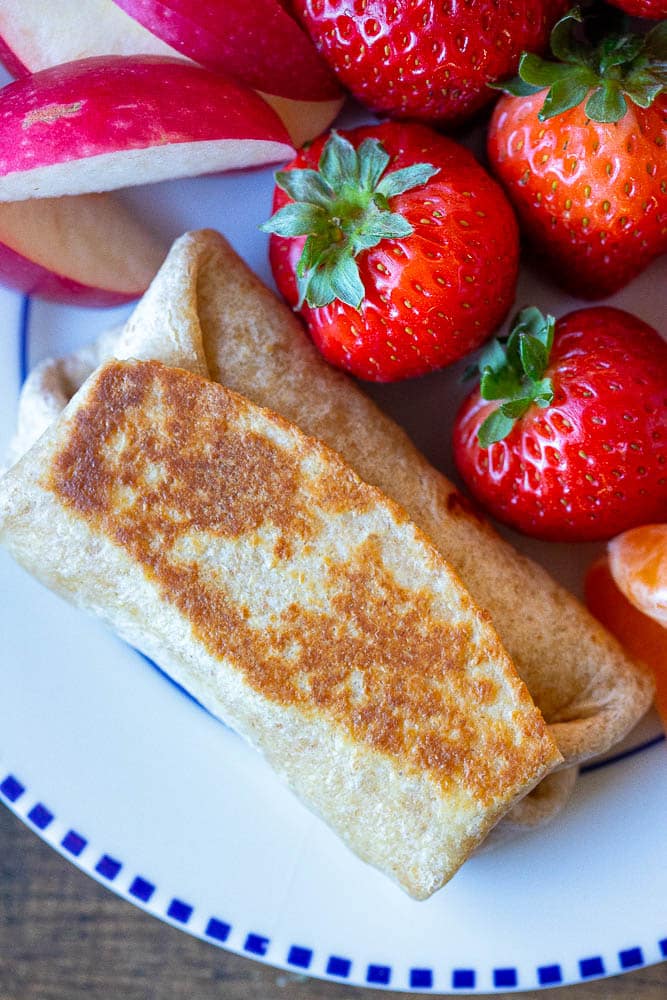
<point>208,313</point>
<point>295,601</point>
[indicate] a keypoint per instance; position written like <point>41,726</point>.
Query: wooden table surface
<point>64,937</point>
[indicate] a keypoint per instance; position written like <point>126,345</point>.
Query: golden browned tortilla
<point>295,601</point>
<point>207,312</point>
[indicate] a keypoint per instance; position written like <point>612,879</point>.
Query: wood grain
<point>63,937</point>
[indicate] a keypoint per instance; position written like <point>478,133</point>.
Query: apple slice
<point>35,35</point>
<point>257,42</point>
<point>110,122</point>
<point>261,45</point>
<point>88,250</point>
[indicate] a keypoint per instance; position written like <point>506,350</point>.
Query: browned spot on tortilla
<point>51,113</point>
<point>283,548</point>
<point>156,454</point>
<point>336,494</point>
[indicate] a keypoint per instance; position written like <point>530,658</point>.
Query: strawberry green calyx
<point>512,369</point>
<point>605,74</point>
<point>343,208</point>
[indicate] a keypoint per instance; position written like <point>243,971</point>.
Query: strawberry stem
<point>512,370</point>
<point>343,208</point>
<point>606,73</point>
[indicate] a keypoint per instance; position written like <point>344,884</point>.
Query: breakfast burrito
<point>208,313</point>
<point>295,601</point>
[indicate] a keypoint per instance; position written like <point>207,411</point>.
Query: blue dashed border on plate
<point>300,957</point>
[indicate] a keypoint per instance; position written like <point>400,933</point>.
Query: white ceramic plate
<point>132,781</point>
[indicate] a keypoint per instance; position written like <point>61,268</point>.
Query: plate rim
<point>105,868</point>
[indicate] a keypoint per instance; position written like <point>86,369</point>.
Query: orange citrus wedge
<point>638,563</point>
<point>643,637</point>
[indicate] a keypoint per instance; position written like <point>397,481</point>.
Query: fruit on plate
<point>579,146</point>
<point>643,637</point>
<point>638,562</point>
<point>100,124</point>
<point>411,254</point>
<point>258,43</point>
<point>642,8</point>
<point>86,250</point>
<point>261,46</point>
<point>566,436</point>
<point>35,35</point>
<point>423,59</point>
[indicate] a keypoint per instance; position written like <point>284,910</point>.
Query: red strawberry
<point>577,450</point>
<point>642,8</point>
<point>412,254</point>
<point>586,169</point>
<point>426,59</point>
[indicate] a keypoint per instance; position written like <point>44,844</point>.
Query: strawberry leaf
<point>516,408</point>
<point>534,323</point>
<point>406,179</point>
<point>339,161</point>
<point>642,88</point>
<point>602,72</point>
<point>383,226</point>
<point>565,45</point>
<point>305,185</point>
<point>318,287</point>
<point>616,50</point>
<point>313,252</point>
<point>607,103</point>
<point>516,87</point>
<point>493,357</point>
<point>498,384</point>
<point>296,219</point>
<point>541,73</point>
<point>566,93</point>
<point>373,161</point>
<point>496,427</point>
<point>543,392</point>
<point>513,370</point>
<point>345,282</point>
<point>512,350</point>
<point>534,357</point>
<point>344,209</point>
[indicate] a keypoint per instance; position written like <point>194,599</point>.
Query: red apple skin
<point>255,41</point>
<point>251,54</point>
<point>26,276</point>
<point>85,250</point>
<point>11,61</point>
<point>119,103</point>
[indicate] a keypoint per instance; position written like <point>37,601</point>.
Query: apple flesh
<point>111,122</point>
<point>87,250</point>
<point>35,35</point>
<point>304,120</point>
<point>256,42</point>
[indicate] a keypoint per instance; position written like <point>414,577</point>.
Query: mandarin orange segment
<point>643,638</point>
<point>638,563</point>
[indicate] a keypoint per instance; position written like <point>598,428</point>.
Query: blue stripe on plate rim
<point>140,889</point>
<point>137,888</point>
